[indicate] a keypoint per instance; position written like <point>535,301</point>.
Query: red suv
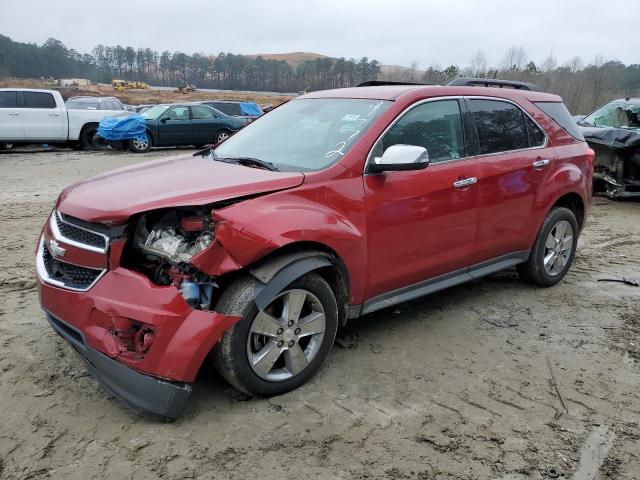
<point>332,206</point>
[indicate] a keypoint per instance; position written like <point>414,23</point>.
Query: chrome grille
<point>65,275</point>
<point>78,236</point>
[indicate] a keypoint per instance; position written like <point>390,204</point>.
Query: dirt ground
<point>455,386</point>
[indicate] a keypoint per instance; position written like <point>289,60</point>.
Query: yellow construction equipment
<point>185,87</point>
<point>122,85</point>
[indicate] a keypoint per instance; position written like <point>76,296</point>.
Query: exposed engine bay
<point>163,243</point>
<point>617,162</point>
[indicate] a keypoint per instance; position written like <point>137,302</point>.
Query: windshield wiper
<point>247,162</point>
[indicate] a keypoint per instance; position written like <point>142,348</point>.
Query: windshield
<point>616,114</point>
<point>306,134</point>
<point>154,112</point>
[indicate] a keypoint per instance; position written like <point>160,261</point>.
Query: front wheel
<point>275,350</point>
<point>140,145</point>
<point>553,250</point>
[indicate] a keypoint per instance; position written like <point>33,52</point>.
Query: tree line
<point>224,71</point>
<point>583,86</point>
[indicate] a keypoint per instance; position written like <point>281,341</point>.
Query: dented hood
<point>113,197</point>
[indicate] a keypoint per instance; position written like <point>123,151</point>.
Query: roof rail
<point>490,82</point>
<point>380,83</point>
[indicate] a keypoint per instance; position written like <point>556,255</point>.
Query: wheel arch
<point>574,202</point>
<point>286,264</point>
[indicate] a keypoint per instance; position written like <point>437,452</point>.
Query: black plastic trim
<point>145,394</point>
<point>287,275</point>
<point>444,281</point>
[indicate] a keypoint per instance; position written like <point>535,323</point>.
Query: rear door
<point>41,116</point>
<point>205,124</point>
<point>11,123</point>
<point>422,224</point>
<point>175,127</point>
<point>511,167</point>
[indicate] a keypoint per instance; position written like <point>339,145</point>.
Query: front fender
<point>250,230</point>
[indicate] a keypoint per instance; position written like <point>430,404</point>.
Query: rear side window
<point>536,136</point>
<point>38,100</point>
<point>559,114</point>
<point>227,108</point>
<point>501,126</point>
<point>436,126</point>
<point>8,99</point>
<point>200,113</point>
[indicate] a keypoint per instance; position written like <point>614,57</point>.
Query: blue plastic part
<point>122,128</point>
<point>250,108</point>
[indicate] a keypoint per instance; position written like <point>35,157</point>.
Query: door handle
<point>465,182</point>
<point>538,164</point>
<point>14,114</point>
<point>54,114</point>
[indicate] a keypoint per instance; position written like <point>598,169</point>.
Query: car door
<point>206,124</point>
<point>41,116</point>
<point>175,127</point>
<point>511,167</point>
<point>11,123</point>
<point>422,224</point>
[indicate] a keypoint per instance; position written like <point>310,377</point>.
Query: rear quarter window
<point>38,100</point>
<point>559,114</point>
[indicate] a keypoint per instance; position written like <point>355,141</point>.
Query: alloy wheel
<point>285,337</point>
<point>222,136</point>
<point>140,143</point>
<point>558,248</point>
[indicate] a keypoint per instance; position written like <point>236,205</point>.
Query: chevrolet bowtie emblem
<point>55,249</point>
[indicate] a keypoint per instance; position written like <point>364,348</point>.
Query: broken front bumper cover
<point>143,393</point>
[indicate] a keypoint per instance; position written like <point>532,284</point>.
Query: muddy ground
<point>454,386</point>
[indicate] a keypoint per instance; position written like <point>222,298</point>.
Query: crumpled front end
<point>617,162</point>
<point>143,341</point>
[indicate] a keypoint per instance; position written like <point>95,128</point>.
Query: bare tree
<point>514,60</point>
<point>478,64</point>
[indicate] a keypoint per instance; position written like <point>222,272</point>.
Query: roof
<point>395,92</point>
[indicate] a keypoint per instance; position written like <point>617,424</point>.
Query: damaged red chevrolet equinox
<point>334,205</point>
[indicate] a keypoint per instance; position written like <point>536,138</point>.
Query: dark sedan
<point>185,124</point>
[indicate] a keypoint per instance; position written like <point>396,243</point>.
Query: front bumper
<point>143,393</point>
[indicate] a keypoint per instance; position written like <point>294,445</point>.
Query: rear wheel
<point>222,136</point>
<point>6,146</point>
<point>275,350</point>
<point>87,137</point>
<point>140,145</point>
<point>553,250</point>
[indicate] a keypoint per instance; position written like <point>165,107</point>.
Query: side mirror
<point>399,158</point>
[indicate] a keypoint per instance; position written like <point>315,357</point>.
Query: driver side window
<point>179,113</point>
<point>436,126</point>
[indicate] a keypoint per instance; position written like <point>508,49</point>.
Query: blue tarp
<point>122,128</point>
<point>250,108</point>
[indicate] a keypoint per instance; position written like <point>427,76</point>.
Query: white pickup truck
<point>40,116</point>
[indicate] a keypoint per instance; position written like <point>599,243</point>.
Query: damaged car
<point>613,132</point>
<point>251,254</point>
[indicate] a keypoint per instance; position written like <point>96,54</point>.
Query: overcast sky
<point>438,32</point>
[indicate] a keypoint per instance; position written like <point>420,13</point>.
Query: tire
<point>221,136</point>
<point>6,146</point>
<point>556,243</point>
<point>274,372</point>
<point>140,146</point>
<point>87,137</point>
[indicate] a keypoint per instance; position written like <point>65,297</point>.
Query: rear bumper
<point>143,393</point>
